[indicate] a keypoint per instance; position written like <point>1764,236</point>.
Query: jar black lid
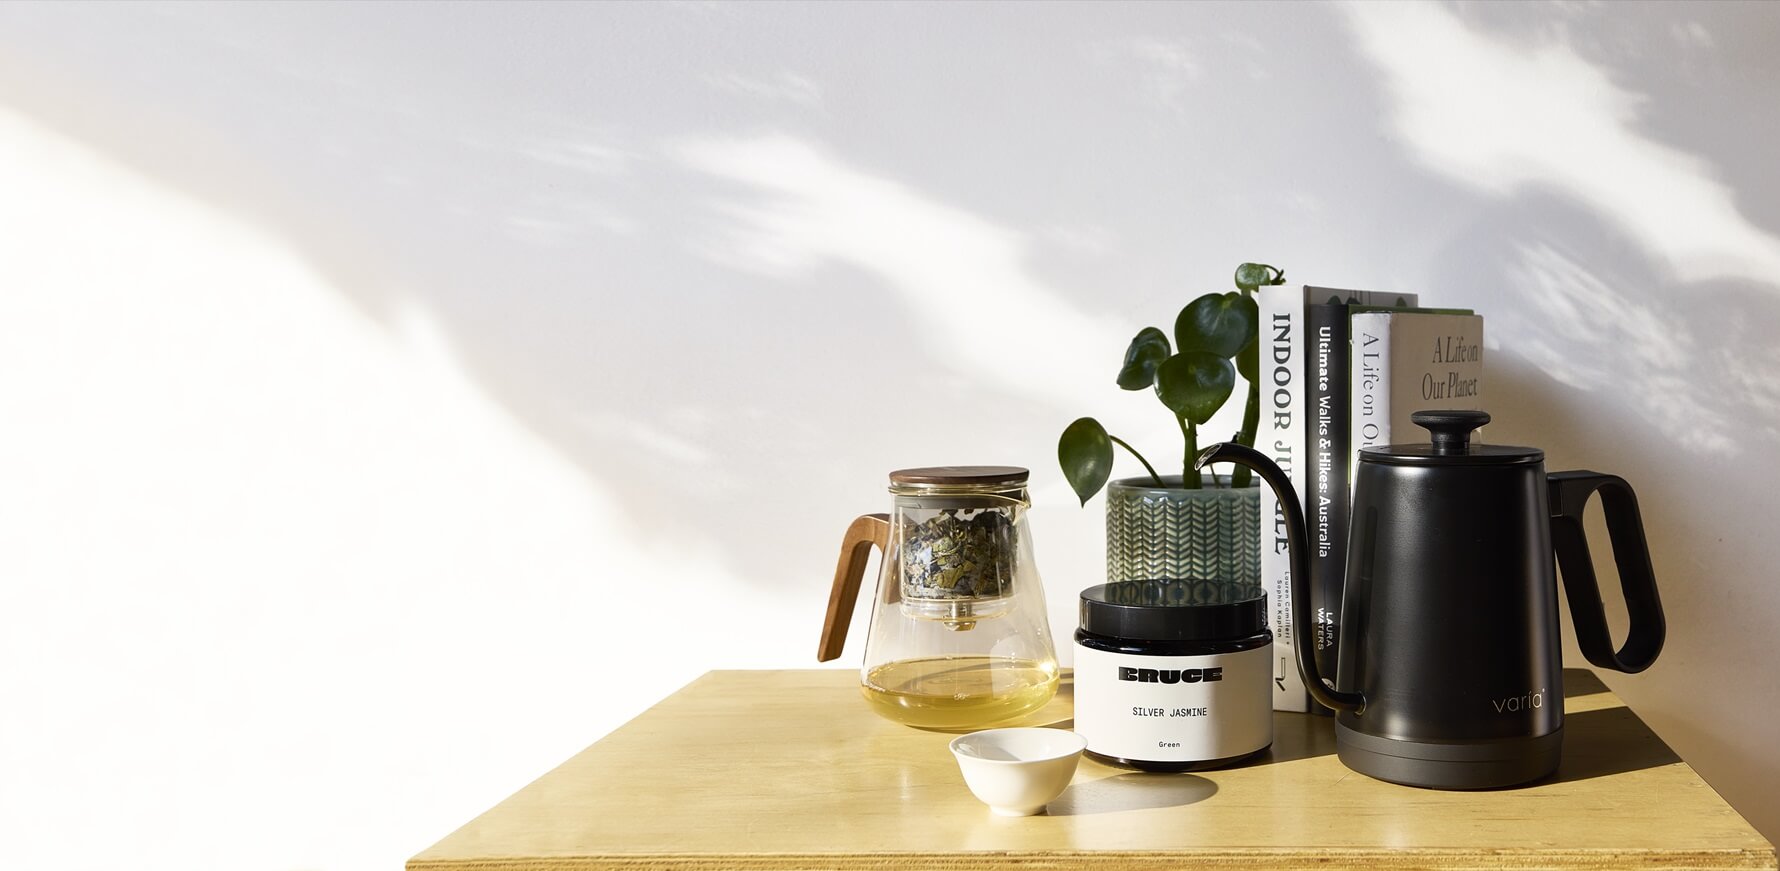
<point>1174,610</point>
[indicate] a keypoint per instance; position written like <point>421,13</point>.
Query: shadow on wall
<point>735,332</point>
<point>1609,362</point>
<point>663,297</point>
<point>1633,296</point>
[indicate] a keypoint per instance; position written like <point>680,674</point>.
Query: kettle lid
<point>1450,444</point>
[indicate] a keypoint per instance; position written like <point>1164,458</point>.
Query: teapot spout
<point>1297,545</point>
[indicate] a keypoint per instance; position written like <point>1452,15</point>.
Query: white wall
<point>399,397</point>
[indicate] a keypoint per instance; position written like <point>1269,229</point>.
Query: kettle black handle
<point>1569,492</point>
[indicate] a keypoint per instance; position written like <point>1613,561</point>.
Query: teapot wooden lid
<point>961,475</point>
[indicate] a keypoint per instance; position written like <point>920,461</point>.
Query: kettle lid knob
<point>1450,431</point>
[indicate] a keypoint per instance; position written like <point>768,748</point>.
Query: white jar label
<point>1174,708</point>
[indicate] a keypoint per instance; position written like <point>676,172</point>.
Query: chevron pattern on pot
<point>1154,532</point>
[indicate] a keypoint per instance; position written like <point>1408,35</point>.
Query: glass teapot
<point>959,636</point>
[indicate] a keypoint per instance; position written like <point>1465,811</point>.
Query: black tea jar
<point>1174,675</point>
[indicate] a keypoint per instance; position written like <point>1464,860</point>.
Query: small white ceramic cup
<point>1016,772</point>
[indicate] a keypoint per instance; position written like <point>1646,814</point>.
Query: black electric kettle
<point>1450,671</point>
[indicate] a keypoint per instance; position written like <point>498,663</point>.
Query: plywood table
<point>788,769</point>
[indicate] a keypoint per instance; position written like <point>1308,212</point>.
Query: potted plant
<point>1182,526</point>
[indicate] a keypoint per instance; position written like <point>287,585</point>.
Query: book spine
<point>1281,438</point>
<point>1326,414</point>
<point>1369,412</point>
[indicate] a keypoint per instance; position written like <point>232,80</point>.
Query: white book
<point>1408,361</point>
<point>1280,436</point>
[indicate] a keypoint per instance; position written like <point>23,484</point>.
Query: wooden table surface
<point>788,769</point>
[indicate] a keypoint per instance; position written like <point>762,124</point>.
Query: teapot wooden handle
<point>868,530</point>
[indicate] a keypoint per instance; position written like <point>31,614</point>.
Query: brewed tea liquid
<point>959,692</point>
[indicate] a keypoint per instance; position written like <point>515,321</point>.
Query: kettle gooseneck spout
<point>1297,543</point>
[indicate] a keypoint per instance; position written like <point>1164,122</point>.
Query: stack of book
<point>1342,370</point>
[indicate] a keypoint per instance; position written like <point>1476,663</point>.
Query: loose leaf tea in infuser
<point>959,554</point>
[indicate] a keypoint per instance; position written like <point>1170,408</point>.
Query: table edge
<point>1360,859</point>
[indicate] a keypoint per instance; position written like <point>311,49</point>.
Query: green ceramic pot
<point>1168,532</point>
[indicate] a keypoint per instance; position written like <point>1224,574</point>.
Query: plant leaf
<point>1248,361</point>
<point>1250,276</point>
<point>1194,384</point>
<point>1219,323</point>
<point>1147,351</point>
<point>1086,455</point>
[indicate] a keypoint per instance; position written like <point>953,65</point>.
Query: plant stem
<point>1189,478</point>
<point>1251,418</point>
<point>1251,415</point>
<point>1146,463</point>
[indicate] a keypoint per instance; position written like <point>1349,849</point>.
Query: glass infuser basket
<point>959,635</point>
